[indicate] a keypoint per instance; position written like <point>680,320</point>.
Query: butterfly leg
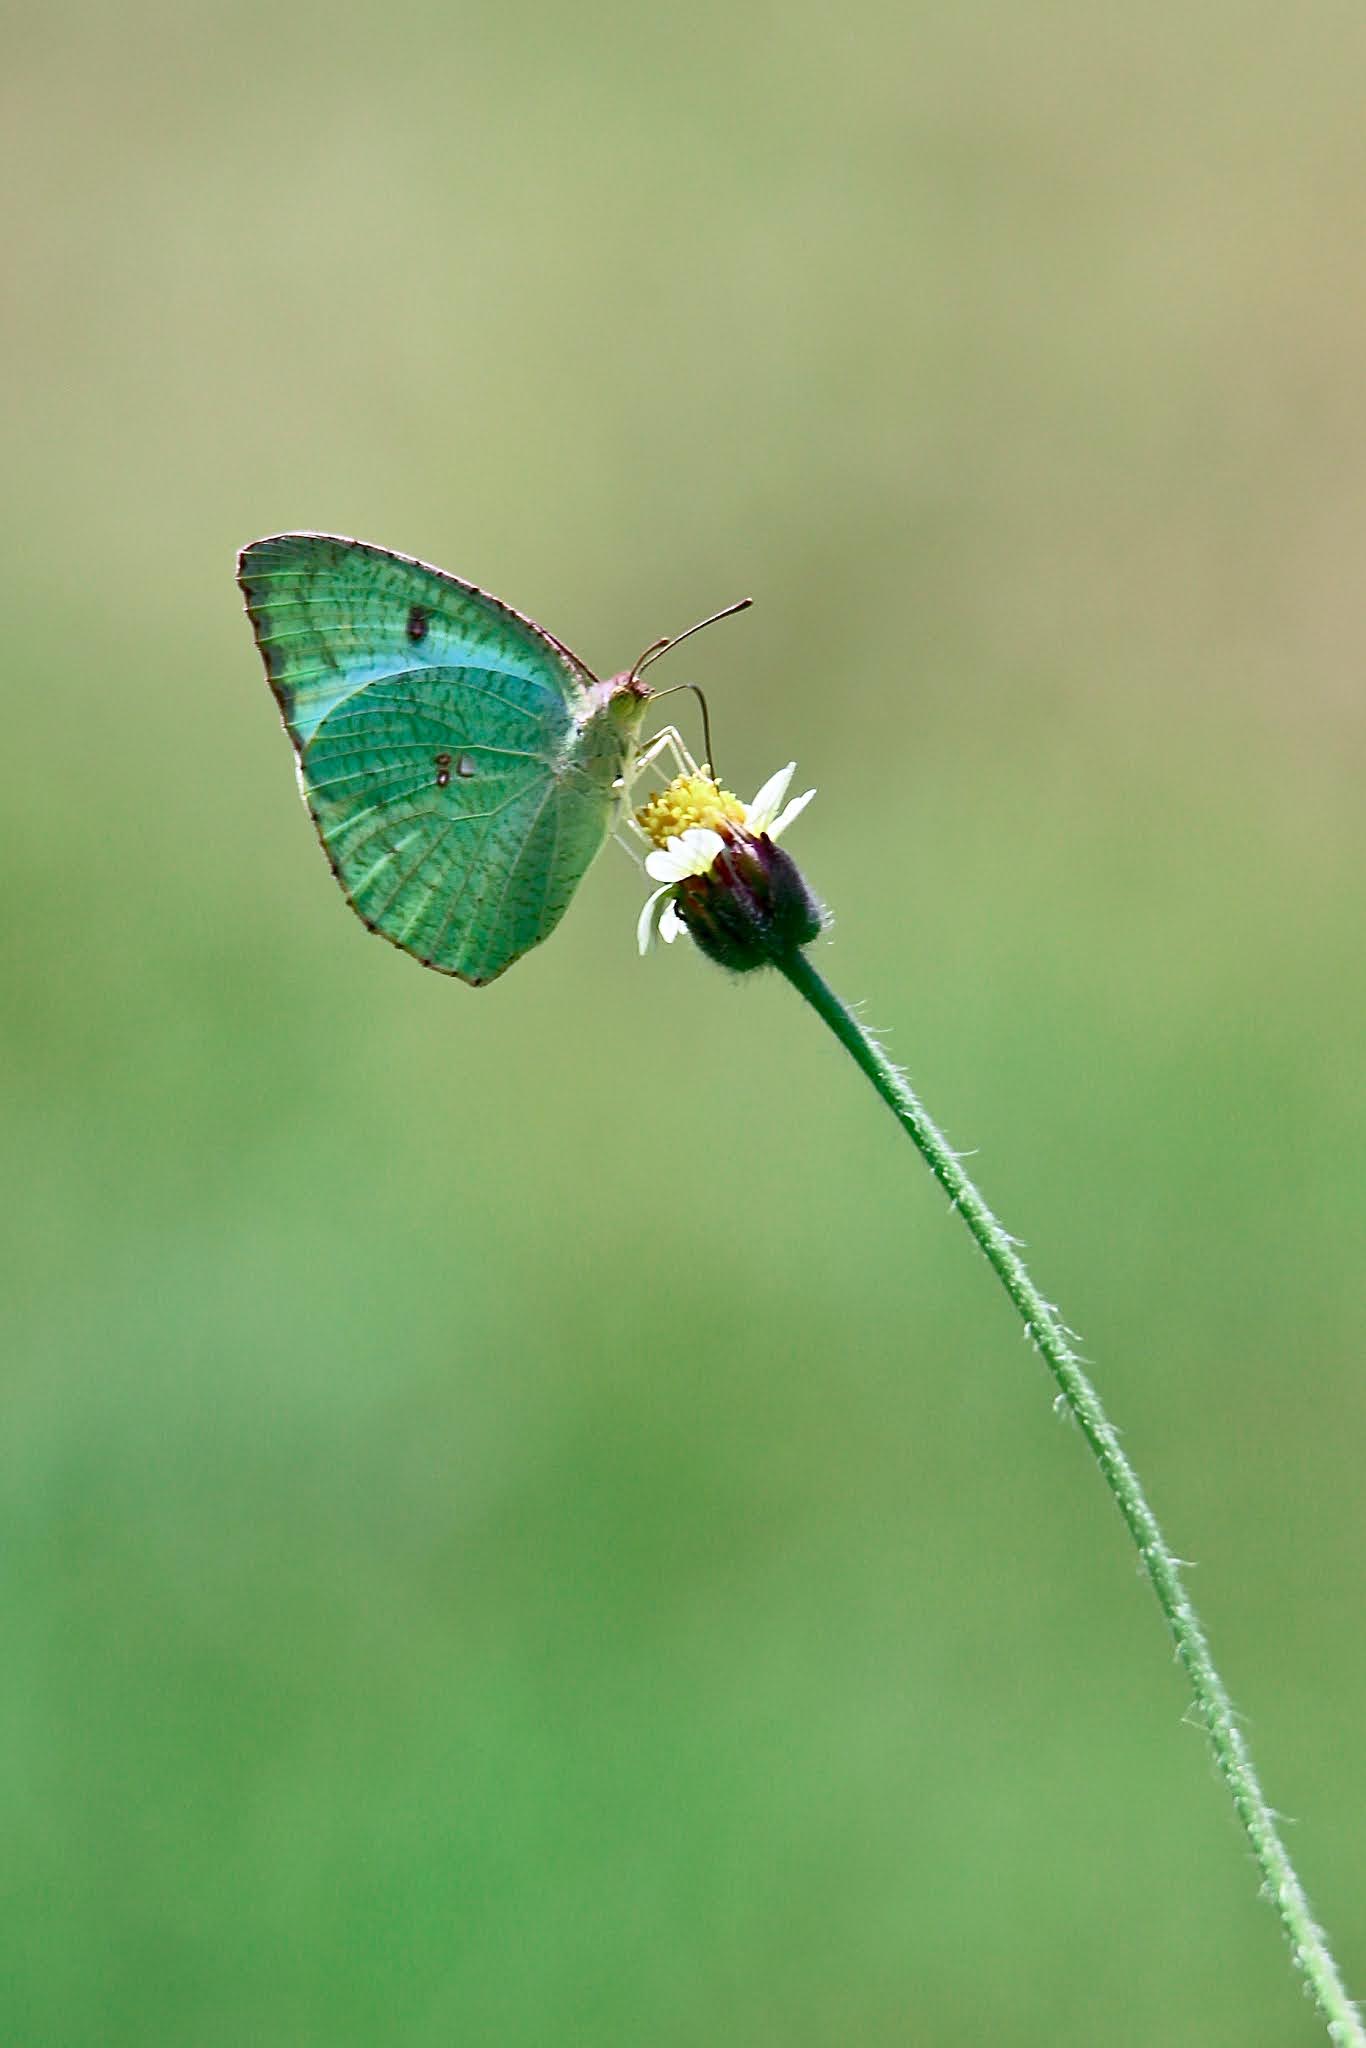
<point>668,740</point>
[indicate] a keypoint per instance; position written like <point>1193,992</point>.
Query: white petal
<point>645,922</point>
<point>691,854</point>
<point>702,845</point>
<point>670,924</point>
<point>664,865</point>
<point>794,810</point>
<point>760,814</point>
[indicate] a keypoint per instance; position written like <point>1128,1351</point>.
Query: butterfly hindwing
<point>436,799</point>
<point>436,733</point>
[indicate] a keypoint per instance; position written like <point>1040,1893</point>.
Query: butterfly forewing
<point>437,747</point>
<point>332,615</point>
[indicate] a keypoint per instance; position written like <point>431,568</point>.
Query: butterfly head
<point>628,693</point>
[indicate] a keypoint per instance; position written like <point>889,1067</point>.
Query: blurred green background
<point>524,1520</point>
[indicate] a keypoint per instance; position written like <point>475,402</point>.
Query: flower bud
<point>751,907</point>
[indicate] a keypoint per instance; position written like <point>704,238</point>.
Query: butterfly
<point>461,766</point>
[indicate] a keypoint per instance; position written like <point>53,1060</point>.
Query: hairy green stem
<point>1042,1322</point>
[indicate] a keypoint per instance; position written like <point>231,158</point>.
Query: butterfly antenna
<point>658,647</point>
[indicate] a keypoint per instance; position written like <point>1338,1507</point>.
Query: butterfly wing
<point>432,725</point>
<point>331,615</point>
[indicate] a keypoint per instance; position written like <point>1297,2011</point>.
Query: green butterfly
<point>461,765</point>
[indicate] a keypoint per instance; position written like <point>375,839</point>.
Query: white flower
<point>765,816</point>
<point>693,851</point>
<point>669,926</point>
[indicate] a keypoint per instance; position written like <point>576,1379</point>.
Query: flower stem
<point>1308,1945</point>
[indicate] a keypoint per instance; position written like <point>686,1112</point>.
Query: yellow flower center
<point>688,800</point>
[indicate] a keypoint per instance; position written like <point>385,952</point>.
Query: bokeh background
<point>524,1520</point>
